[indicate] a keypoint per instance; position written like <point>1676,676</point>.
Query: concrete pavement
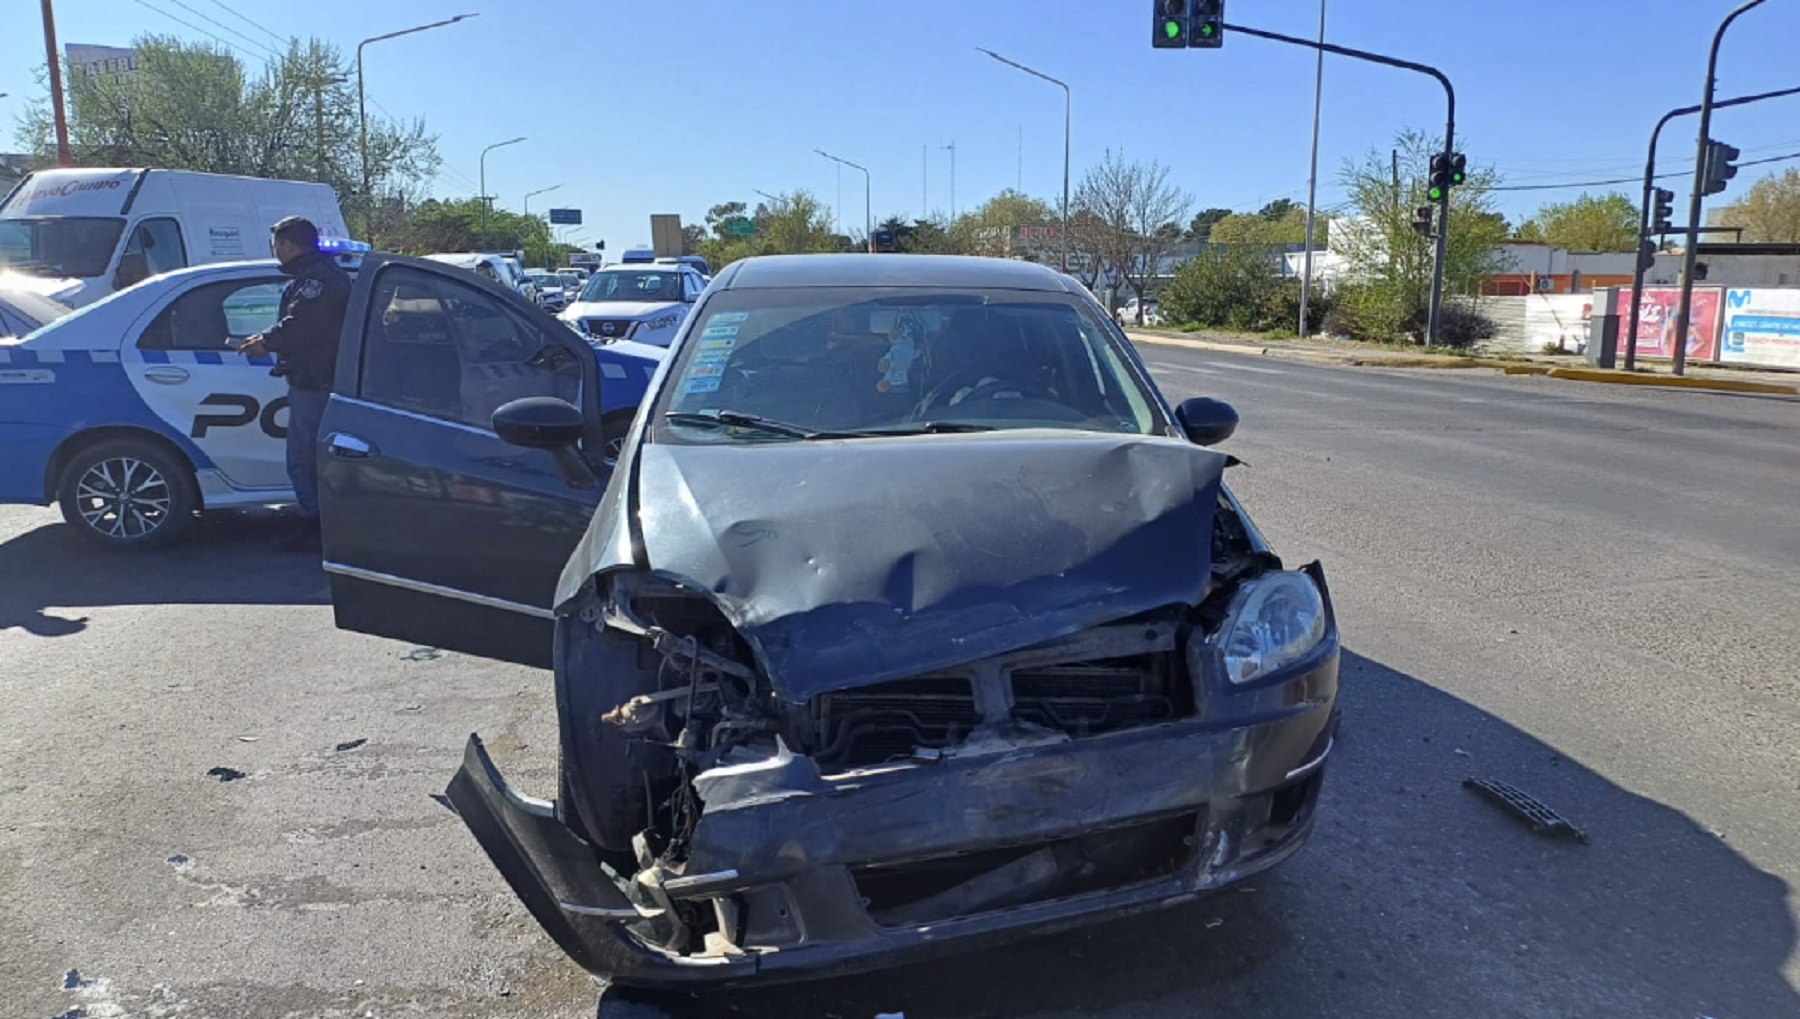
<point>1586,591</point>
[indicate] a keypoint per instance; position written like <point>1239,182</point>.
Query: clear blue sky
<point>664,106</point>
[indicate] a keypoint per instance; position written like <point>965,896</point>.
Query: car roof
<point>884,270</point>
<point>641,267</point>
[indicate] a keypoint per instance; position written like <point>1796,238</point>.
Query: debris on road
<point>1460,752</point>
<point>225,774</point>
<point>422,654</point>
<point>178,861</point>
<point>1215,923</point>
<point>1528,807</point>
<point>350,744</point>
<point>248,739</point>
<point>72,980</point>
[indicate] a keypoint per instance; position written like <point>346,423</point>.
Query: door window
<point>159,241</point>
<point>206,317</point>
<point>690,285</point>
<point>447,350</point>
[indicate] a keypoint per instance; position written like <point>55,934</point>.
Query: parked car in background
<point>1128,312</point>
<point>638,301</point>
<point>910,616</point>
<point>572,280</point>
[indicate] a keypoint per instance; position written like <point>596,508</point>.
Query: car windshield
<point>59,245</point>
<point>633,285</point>
<point>777,364</point>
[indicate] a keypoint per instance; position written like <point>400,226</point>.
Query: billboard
<point>1656,321</point>
<point>111,64</point>
<point>665,235</point>
<point>1762,326</point>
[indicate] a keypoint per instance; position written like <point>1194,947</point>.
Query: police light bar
<point>343,244</point>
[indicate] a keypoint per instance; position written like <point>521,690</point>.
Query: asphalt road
<point>1587,591</point>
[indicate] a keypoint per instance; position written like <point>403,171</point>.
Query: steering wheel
<point>992,387</point>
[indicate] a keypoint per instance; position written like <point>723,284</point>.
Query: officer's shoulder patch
<point>310,289</point>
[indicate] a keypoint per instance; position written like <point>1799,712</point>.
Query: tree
<point>1280,209</point>
<point>1606,223</point>
<point>1234,287</point>
<point>992,228</point>
<point>1389,264</point>
<point>793,224</point>
<point>1200,228</point>
<point>460,226</point>
<point>1770,211</point>
<point>1133,217</point>
<point>196,107</point>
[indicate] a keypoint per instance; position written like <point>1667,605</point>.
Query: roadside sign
<point>739,226</point>
<point>565,217</point>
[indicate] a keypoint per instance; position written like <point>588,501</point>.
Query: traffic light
<point>1665,207</point>
<point>1422,220</point>
<point>1719,157</point>
<point>1208,28</point>
<point>1646,255</point>
<point>1448,169</point>
<point>1169,24</point>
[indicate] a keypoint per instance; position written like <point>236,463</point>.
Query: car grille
<point>891,721</point>
<point>608,328</point>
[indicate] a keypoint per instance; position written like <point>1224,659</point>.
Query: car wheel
<point>128,494</point>
<point>613,429</point>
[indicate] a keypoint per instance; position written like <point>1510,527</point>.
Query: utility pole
<point>924,182</point>
<point>63,159</point>
<point>1684,310</point>
<point>1312,178</point>
<point>952,149</point>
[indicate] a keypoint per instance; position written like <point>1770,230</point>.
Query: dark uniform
<point>305,343</point>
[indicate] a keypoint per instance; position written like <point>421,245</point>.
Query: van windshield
<point>59,245</point>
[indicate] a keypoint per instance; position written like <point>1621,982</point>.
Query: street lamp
<point>1068,105</point>
<point>1684,310</point>
<point>484,195</point>
<point>539,191</point>
<point>362,111</point>
<point>868,208</point>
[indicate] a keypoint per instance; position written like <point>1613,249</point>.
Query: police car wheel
<point>613,429</point>
<point>127,495</point>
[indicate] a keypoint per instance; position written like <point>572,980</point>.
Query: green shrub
<point>1235,287</point>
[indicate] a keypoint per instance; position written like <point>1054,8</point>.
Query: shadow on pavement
<point>1415,897</point>
<point>226,559</point>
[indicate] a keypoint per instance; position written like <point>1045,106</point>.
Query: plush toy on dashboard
<point>896,365</point>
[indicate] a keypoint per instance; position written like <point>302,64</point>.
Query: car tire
<point>128,494</point>
<point>613,429</point>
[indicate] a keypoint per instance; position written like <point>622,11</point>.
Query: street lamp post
<point>1684,309</point>
<point>484,195</point>
<point>868,207</point>
<point>1068,106</point>
<point>539,191</point>
<point>1312,177</point>
<point>362,110</point>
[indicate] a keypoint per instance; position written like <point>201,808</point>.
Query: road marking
<point>1246,368</point>
<point>1159,366</point>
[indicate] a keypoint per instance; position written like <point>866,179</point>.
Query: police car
<point>134,415</point>
<point>644,302</point>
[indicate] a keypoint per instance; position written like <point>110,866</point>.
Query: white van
<point>105,229</point>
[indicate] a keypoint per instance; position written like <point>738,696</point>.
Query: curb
<point>1671,381</point>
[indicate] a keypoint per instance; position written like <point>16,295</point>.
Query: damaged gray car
<point>910,617</point>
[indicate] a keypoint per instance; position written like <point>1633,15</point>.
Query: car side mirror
<point>1206,421</point>
<point>546,423</point>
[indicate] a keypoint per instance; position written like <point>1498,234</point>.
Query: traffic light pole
<point>1443,219</point>
<point>1637,279</point>
<point>1685,308</point>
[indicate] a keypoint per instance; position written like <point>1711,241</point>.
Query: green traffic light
<point>1456,178</point>
<point>1207,30</point>
<point>1435,194</point>
<point>1172,29</point>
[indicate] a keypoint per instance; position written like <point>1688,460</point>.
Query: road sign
<point>565,217</point>
<point>739,226</point>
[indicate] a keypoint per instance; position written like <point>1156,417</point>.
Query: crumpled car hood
<point>849,563</point>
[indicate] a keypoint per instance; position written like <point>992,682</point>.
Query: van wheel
<point>127,494</point>
<point>613,429</point>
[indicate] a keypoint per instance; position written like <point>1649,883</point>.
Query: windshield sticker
<point>715,331</point>
<point>725,317</point>
<point>701,384</point>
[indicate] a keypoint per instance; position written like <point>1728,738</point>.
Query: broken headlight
<point>1274,621</point>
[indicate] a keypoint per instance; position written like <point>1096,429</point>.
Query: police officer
<point>305,343</point>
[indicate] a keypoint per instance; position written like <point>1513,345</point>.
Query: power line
<point>220,4</point>
<point>191,25</point>
<point>219,24</point>
<point>1631,180</point>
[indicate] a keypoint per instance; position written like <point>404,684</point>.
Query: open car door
<point>435,530</point>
